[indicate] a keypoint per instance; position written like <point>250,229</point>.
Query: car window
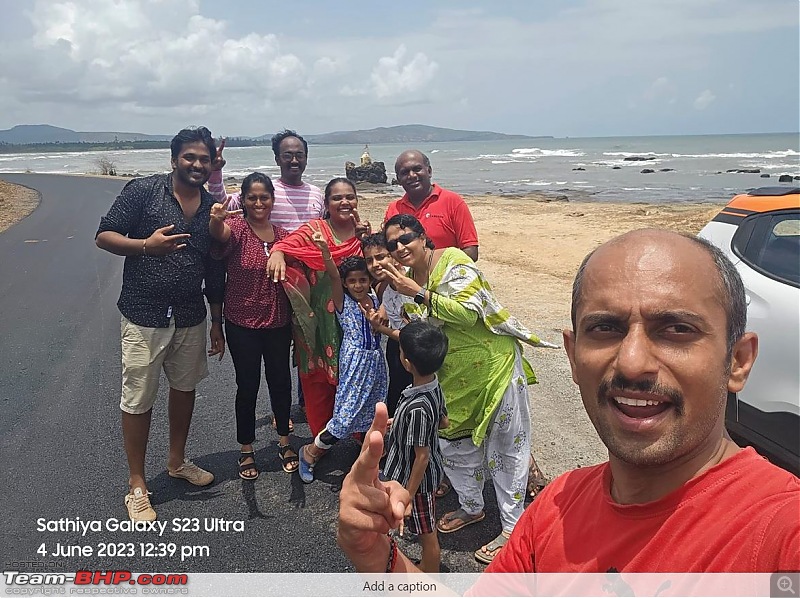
<point>777,253</point>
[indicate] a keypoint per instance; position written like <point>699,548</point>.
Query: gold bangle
<point>144,247</point>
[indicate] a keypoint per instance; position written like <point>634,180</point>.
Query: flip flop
<point>462,517</point>
<point>485,554</point>
<point>444,488</point>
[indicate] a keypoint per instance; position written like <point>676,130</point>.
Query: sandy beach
<point>530,248</point>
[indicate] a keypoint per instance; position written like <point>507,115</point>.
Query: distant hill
<point>26,134</point>
<point>405,134</point>
<point>22,135</point>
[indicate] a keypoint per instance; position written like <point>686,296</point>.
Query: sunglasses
<point>404,239</point>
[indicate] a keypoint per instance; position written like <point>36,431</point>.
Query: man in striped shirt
<point>414,458</point>
<point>296,202</point>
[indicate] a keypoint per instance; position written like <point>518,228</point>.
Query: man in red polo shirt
<point>444,214</point>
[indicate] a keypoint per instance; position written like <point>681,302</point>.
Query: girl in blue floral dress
<point>363,377</point>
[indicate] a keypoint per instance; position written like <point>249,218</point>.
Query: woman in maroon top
<point>257,316</point>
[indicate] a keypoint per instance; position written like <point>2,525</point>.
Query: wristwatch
<point>419,298</point>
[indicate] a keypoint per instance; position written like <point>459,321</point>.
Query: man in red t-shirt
<point>658,342</point>
<point>444,214</point>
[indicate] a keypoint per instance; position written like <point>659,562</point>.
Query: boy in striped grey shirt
<point>414,458</point>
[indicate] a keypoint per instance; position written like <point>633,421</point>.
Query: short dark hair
<point>409,222</point>
<point>424,345</point>
<point>425,160</point>
<point>250,180</point>
<point>374,240</point>
<point>192,135</point>
<point>332,182</point>
<point>732,294</point>
<point>354,263</point>
<point>278,137</point>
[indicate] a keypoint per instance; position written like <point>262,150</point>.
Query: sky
<point>566,68</point>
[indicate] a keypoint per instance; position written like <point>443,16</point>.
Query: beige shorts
<point>181,351</point>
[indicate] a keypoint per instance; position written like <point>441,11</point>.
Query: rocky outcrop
<point>744,170</point>
<point>785,178</point>
<point>646,170</point>
<point>638,158</point>
<point>374,172</point>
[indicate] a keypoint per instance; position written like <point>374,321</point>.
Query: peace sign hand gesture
<point>362,229</point>
<point>219,211</point>
<point>218,163</point>
<point>377,318</point>
<point>319,240</point>
<point>402,283</point>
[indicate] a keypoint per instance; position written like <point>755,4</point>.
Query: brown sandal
<point>536,479</point>
<point>444,488</point>
<point>458,519</point>
<point>486,553</point>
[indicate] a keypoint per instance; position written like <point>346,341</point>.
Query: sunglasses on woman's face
<point>404,239</point>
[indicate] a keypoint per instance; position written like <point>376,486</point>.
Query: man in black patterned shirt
<point>160,224</point>
<point>414,458</point>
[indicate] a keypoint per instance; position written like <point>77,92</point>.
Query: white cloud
<point>151,54</point>
<point>599,67</point>
<point>661,88</point>
<point>704,100</point>
<point>394,76</point>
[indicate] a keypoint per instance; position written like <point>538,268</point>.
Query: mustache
<point>619,383</point>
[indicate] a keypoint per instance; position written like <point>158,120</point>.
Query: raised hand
<point>219,211</point>
<point>376,317</point>
<point>369,508</point>
<point>319,240</point>
<point>362,229</point>
<point>402,283</point>
<point>371,316</point>
<point>218,163</point>
<point>162,243</point>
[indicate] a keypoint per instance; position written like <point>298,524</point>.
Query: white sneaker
<point>139,507</point>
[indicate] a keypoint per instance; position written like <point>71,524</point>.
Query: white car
<point>760,233</point>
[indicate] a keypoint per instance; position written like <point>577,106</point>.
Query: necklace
<point>428,269</point>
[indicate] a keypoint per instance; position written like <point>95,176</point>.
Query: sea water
<point>581,168</point>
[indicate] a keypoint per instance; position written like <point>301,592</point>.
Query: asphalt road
<point>61,449</point>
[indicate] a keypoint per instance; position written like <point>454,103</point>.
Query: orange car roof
<point>766,200</point>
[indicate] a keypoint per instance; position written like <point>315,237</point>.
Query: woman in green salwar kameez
<point>485,377</point>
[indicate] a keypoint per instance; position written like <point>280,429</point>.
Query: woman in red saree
<point>316,331</point>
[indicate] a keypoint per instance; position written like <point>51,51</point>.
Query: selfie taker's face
<point>649,350</point>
